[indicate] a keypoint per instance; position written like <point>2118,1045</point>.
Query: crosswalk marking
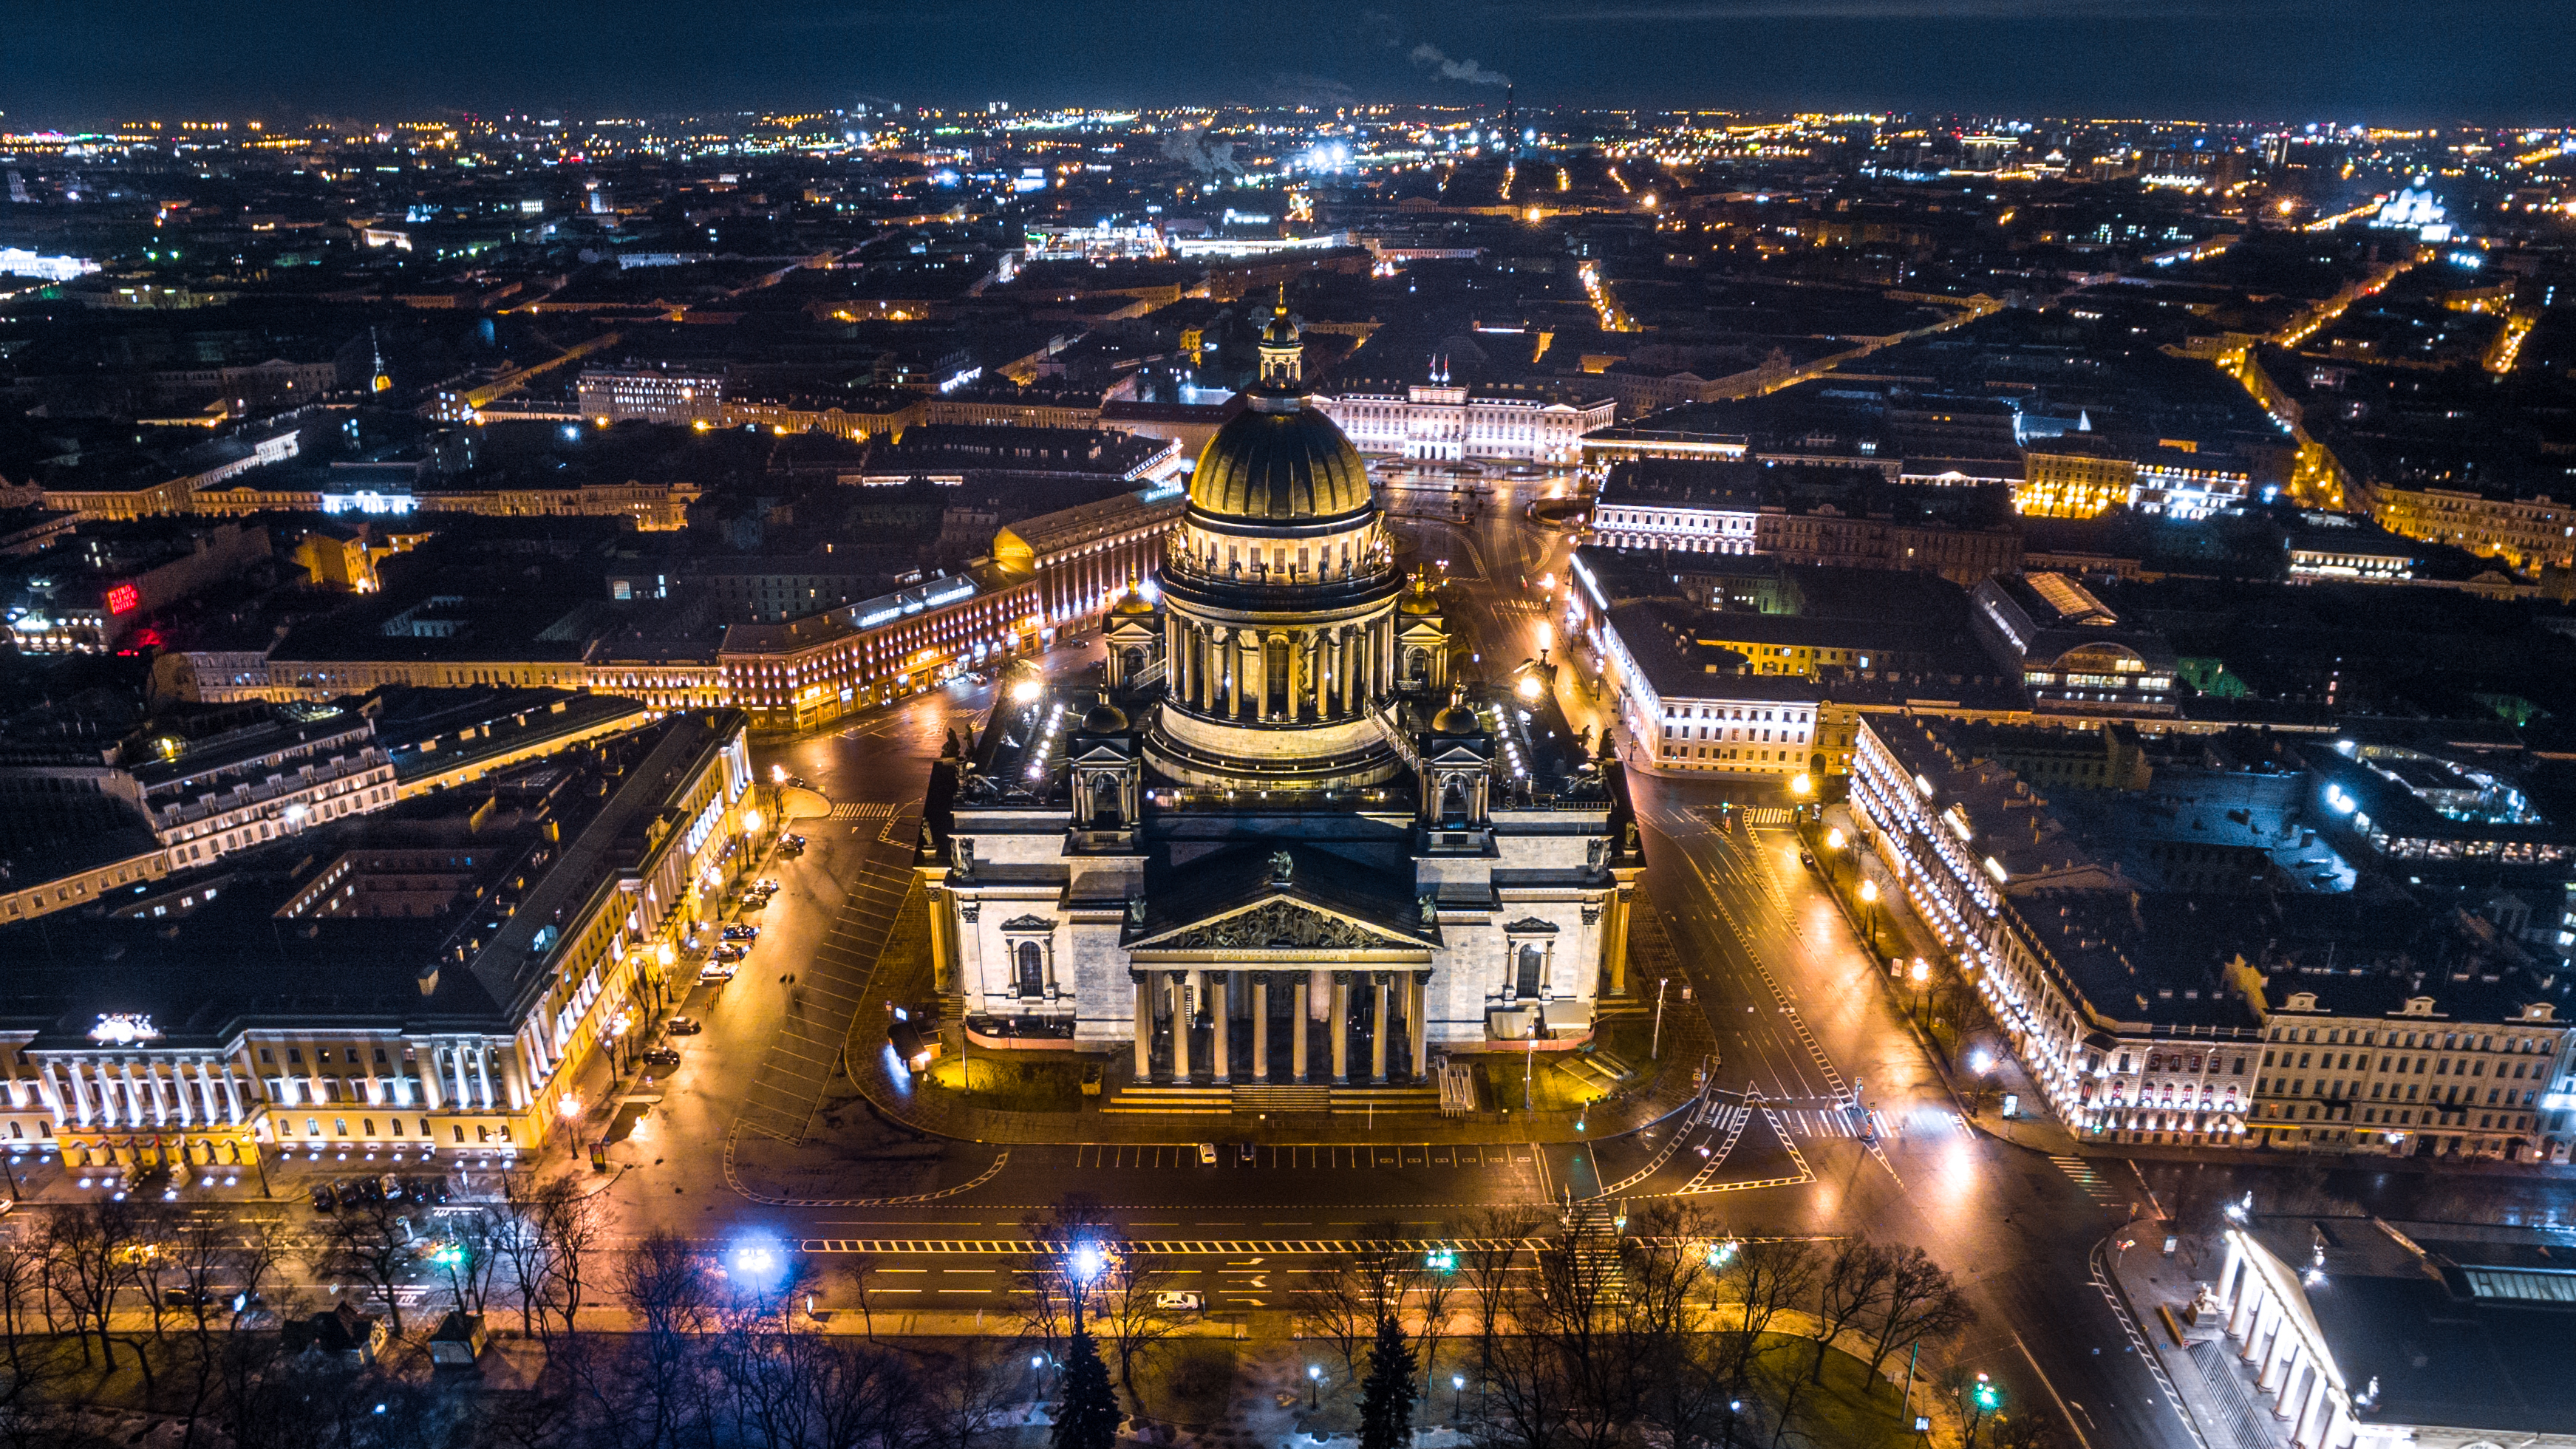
<point>1322,1157</point>
<point>2092,1184</point>
<point>1766,815</point>
<point>862,812</point>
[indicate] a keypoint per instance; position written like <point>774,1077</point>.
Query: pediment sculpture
<point>1279,926</point>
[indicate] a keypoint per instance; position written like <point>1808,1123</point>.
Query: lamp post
<point>1458,1393</point>
<point>1082,1265</point>
<point>1833,848</point>
<point>1655,1050</point>
<point>1869,905</point>
<point>1921,973</point>
<point>1314,1385</point>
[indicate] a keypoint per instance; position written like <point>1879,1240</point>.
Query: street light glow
<point>1799,784</point>
<point>750,821</point>
<point>1529,686</point>
<point>1085,1262</point>
<point>1834,838</point>
<point>1869,891</point>
<point>1027,691</point>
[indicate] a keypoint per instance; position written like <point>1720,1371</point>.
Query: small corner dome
<point>1104,718</point>
<point>1456,719</point>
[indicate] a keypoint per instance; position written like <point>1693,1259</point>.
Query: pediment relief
<point>1280,925</point>
<point>1029,925</point>
<point>1530,926</point>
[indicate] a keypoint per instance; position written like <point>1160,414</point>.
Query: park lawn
<point>1013,1082</point>
<point>1849,1410</point>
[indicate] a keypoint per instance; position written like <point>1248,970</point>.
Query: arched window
<point>1032,971</point>
<point>1532,964</point>
<point>1417,666</point>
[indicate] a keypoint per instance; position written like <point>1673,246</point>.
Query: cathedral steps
<point>1181,1100</point>
<point>1169,1100</point>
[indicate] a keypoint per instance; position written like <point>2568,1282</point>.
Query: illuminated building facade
<point>1258,854</point>
<point>447,1035</point>
<point>1443,422</point>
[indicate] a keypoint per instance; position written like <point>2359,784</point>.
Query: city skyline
<point>2370,61</point>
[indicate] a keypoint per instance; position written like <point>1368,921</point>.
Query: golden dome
<point>1132,603</point>
<point>1455,718</point>
<point>1420,601</point>
<point>1270,464</point>
<point>1104,718</point>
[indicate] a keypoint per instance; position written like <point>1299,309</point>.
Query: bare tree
<point>666,1282</point>
<point>1131,1312</point>
<point>860,1270</point>
<point>1042,1287</point>
<point>1335,1306</point>
<point>1852,1287</point>
<point>1489,1242</point>
<point>1921,1302</point>
<point>29,1358</point>
<point>572,1227</point>
<point>966,1392</point>
<point>85,1251</point>
<point>372,1242</point>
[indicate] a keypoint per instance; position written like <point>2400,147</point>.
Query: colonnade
<point>1299,674</point>
<point>1214,1000</point>
<point>2289,1368</point>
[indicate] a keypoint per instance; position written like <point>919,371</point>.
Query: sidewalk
<point>1901,939</point>
<point>2201,1370</point>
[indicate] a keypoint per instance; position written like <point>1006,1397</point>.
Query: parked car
<point>730,952</point>
<point>371,1189</point>
<point>323,1201</point>
<point>715,972</point>
<point>1179,1302</point>
<point>392,1188</point>
<point>742,933</point>
<point>792,842</point>
<point>797,780</point>
<point>350,1195</point>
<point>661,1057</point>
<point>684,1026</point>
<point>1207,1154</point>
<point>426,1189</point>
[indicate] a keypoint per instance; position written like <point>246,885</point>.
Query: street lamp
<point>1801,786</point>
<point>1314,1385</point>
<point>1869,902</point>
<point>1921,973</point>
<point>1458,1390</point>
<point>1083,1264</point>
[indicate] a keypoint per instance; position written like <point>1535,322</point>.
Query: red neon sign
<point>123,599</point>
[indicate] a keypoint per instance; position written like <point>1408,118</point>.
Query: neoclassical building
<point>1270,839</point>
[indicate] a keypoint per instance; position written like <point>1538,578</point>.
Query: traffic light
<point>448,1255</point>
<point>1440,1260</point>
<point>1988,1397</point>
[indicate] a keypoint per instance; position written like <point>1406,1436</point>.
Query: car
<point>684,1026</point>
<point>797,781</point>
<point>742,933</point>
<point>1207,1154</point>
<point>392,1188</point>
<point>323,1201</point>
<point>371,1189</point>
<point>792,842</point>
<point>730,953</point>
<point>661,1057</point>
<point>1807,858</point>
<point>186,1297</point>
<point>1180,1302</point>
<point>426,1189</point>
<point>349,1194</point>
<point>715,971</point>
<point>1245,1152</point>
<point>766,885</point>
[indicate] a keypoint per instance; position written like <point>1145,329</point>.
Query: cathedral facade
<point>1271,839</point>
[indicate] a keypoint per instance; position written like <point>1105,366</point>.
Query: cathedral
<point>1272,838</point>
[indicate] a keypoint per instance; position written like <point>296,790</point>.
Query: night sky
<point>2383,61</point>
